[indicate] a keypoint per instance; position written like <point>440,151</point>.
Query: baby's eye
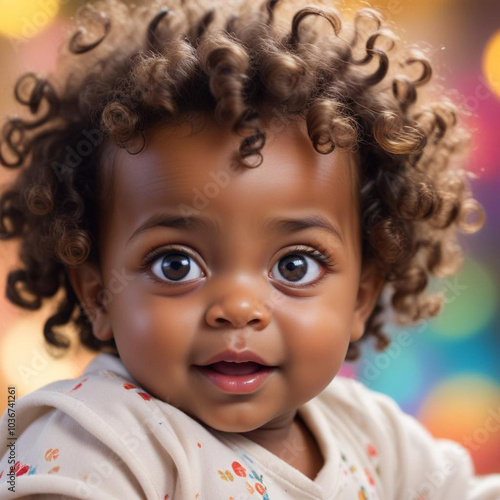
<point>297,268</point>
<point>176,266</point>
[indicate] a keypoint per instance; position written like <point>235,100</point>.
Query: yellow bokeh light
<point>458,404</point>
<point>491,63</point>
<point>464,408</point>
<point>394,10</point>
<point>26,18</point>
<point>25,362</point>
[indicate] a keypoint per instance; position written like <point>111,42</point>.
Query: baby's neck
<point>295,444</point>
<point>274,433</point>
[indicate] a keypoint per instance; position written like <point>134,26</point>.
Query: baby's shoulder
<point>80,436</point>
<point>100,394</point>
<point>400,447</point>
<point>105,401</point>
<point>361,414</point>
<point>352,399</point>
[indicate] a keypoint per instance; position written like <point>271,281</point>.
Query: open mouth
<point>235,369</point>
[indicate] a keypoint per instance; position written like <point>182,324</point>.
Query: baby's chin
<point>248,421</point>
<point>230,425</point>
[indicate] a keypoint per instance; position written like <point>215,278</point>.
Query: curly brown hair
<point>127,68</point>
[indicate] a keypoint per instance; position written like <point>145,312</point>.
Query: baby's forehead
<point>185,172</point>
<point>193,151</point>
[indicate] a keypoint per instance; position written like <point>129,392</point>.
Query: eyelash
<point>153,254</point>
<point>319,254</point>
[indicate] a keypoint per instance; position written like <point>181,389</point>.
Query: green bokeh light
<point>471,299</point>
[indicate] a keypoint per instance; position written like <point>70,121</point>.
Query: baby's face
<point>235,276</point>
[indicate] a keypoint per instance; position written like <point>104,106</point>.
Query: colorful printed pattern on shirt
<point>360,475</point>
<point>250,481</point>
<point>20,468</point>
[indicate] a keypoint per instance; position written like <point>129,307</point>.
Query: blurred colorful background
<point>445,372</point>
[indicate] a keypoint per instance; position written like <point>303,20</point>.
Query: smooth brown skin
<point>237,298</point>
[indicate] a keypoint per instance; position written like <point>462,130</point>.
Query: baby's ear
<point>87,283</point>
<point>370,285</point>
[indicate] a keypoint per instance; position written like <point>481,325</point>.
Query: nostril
<point>225,321</point>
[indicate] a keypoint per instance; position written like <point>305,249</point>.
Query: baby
<point>233,198</point>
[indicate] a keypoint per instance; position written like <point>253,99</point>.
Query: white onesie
<point>102,436</point>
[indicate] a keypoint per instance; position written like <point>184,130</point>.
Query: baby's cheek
<point>154,336</point>
<point>163,330</point>
<point>143,308</point>
<point>316,337</point>
<point>129,313</point>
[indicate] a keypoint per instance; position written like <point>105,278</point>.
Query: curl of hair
<point>329,125</point>
<point>127,68</point>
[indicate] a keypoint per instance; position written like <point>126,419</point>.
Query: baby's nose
<point>237,310</point>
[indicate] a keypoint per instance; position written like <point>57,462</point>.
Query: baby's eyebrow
<point>299,224</point>
<point>176,222</point>
<point>273,225</point>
